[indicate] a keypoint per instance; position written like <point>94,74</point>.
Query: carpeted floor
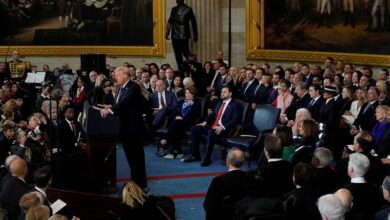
<point>185,183</point>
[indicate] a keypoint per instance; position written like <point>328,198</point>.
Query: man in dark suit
<point>218,124</point>
<point>15,188</point>
<point>274,178</point>
<point>384,213</point>
<point>164,103</point>
<point>129,108</point>
<point>249,87</point>
<point>225,190</point>
<point>366,119</point>
<point>72,136</point>
<point>43,178</point>
<point>301,100</point>
<point>316,102</point>
<point>6,140</point>
<point>367,198</point>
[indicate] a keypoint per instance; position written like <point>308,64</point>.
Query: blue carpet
<point>187,183</point>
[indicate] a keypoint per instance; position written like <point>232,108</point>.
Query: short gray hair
<point>386,183</point>
<point>324,156</point>
<point>359,163</point>
<point>235,157</point>
<point>331,206</point>
<point>9,160</point>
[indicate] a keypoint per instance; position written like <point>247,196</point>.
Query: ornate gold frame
<point>158,49</point>
<point>255,44</point>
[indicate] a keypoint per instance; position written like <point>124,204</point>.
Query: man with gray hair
<point>331,208</point>
<point>225,190</point>
<point>384,213</point>
<point>325,175</point>
<point>367,198</point>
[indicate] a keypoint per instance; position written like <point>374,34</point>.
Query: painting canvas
<point>356,31</point>
<point>93,23</point>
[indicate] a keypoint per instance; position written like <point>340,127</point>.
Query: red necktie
<point>162,102</point>
<point>218,116</point>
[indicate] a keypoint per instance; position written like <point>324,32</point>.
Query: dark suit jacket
<point>274,178</point>
<point>246,93</point>
<point>315,108</point>
<point>179,22</point>
<point>308,79</point>
<point>300,204</point>
<point>297,103</point>
<point>367,198</point>
<point>130,108</point>
<point>68,138</point>
<point>366,120</point>
<point>328,115</point>
<point>10,195</point>
<point>261,95</point>
<point>325,180</point>
<point>170,100</point>
<point>230,117</point>
<point>272,96</point>
<point>194,113</point>
<point>383,149</point>
<point>223,193</point>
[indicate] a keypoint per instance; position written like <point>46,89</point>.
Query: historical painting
<point>354,30</point>
<point>81,23</point>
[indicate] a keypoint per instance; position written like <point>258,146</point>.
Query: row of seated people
<point>279,189</point>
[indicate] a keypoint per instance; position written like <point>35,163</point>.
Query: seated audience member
<point>284,98</point>
<point>382,148</point>
<point>367,198</point>
<point>177,87</point>
<point>43,178</point>
<point>136,204</point>
<point>285,134</point>
<point>5,171</point>
<point>304,148</point>
<point>21,148</point>
<point>345,197</point>
<point>29,200</point>
<point>316,101</point>
<point>164,103</point>
<point>330,207</point>
<point>275,176</point>
<point>45,95</point>
<point>79,95</point>
<point>38,212</point>
<point>225,190</point>
<point>301,100</point>
<point>300,202</point>
<point>6,140</point>
<point>382,124</point>
<point>385,213</point>
<point>357,104</point>
<point>366,118</point>
<point>187,112</point>
<point>248,88</point>
<point>325,175</point>
<point>218,124</point>
<point>262,91</point>
<point>14,188</point>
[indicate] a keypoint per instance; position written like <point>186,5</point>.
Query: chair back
<point>265,118</point>
<point>244,107</point>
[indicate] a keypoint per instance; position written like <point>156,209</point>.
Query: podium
<point>102,135</point>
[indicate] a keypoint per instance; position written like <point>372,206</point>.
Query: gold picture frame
<point>157,50</point>
<point>255,44</point>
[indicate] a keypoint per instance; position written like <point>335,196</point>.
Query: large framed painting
<point>300,30</point>
<point>74,27</point>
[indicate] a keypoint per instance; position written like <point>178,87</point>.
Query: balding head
<point>9,160</point>
<point>235,158</point>
<point>18,168</point>
<point>345,197</point>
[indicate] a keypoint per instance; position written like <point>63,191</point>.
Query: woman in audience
<point>153,69</point>
<point>381,85</point>
<point>178,87</point>
<point>361,98</point>
<point>136,204</point>
<point>284,98</point>
<point>348,97</point>
<point>356,78</point>
<point>288,73</point>
<point>382,125</point>
<point>79,95</point>
<point>38,212</point>
<point>187,112</point>
<point>338,78</point>
<point>300,203</point>
<point>304,147</point>
<point>233,72</point>
<point>161,74</point>
<point>286,136</point>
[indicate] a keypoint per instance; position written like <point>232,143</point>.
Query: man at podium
<point>127,107</point>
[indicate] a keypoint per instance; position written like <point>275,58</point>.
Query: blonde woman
<point>381,126</point>
<point>137,204</point>
<point>382,86</point>
<point>38,212</point>
<point>234,74</point>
